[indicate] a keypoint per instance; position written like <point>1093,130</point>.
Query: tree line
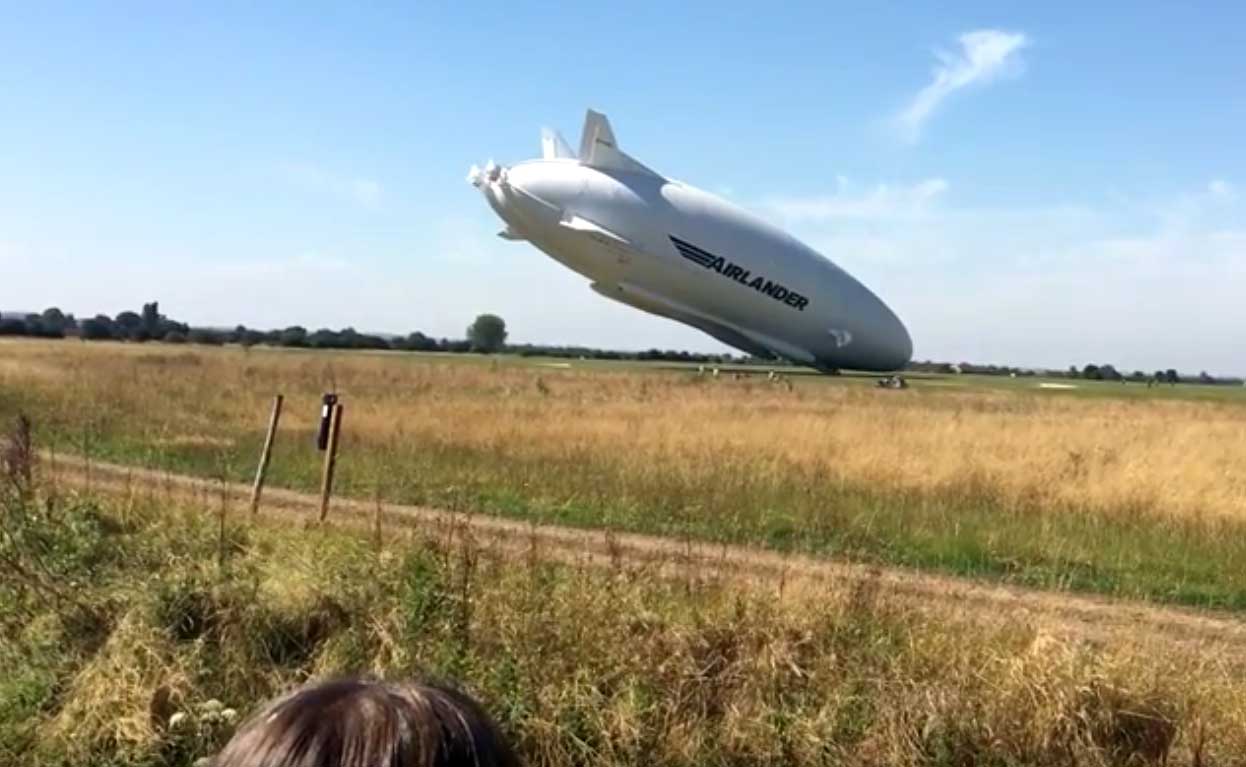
<point>486,335</point>
<point>1088,372</point>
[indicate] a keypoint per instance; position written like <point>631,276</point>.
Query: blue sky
<point>1024,183</point>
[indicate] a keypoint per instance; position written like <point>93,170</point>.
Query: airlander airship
<point>670,249</point>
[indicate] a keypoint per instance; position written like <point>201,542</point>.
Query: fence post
<point>330,460</point>
<point>261,471</point>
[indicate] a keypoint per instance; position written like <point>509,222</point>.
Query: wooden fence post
<point>330,461</point>
<point>261,471</point>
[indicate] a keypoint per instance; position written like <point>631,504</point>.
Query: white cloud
<point>360,191</point>
<point>883,201</point>
<point>984,55</point>
<point>1213,207</point>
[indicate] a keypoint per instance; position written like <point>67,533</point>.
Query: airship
<point>670,249</point>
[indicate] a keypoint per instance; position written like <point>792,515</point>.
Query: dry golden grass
<point>1181,458</point>
<point>1088,489</point>
<point>581,665</point>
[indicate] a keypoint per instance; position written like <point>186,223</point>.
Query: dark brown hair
<point>361,723</point>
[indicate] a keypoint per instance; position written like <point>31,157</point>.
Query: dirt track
<point>1073,615</point>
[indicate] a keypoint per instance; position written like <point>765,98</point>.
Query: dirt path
<point>1074,615</point>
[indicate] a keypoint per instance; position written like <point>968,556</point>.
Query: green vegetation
<point>139,633</point>
<point>1127,494</point>
<point>487,334</point>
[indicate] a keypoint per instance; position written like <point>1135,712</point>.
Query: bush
<point>205,336</point>
<point>96,329</point>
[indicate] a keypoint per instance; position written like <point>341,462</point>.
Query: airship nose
<point>508,192</point>
<point>868,335</point>
<point>893,345</point>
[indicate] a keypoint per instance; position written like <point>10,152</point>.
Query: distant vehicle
<point>670,249</point>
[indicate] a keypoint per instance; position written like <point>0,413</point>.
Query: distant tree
<point>151,319</point>
<point>1171,376</point>
<point>175,337</point>
<point>55,320</point>
<point>1109,373</point>
<point>293,336</point>
<point>365,341</point>
<point>1092,373</point>
<point>205,336</point>
<point>128,321</point>
<point>1159,375</point>
<point>246,337</point>
<point>12,327</point>
<point>32,325</point>
<point>324,339</point>
<point>418,342</point>
<point>130,326</point>
<point>487,334</point>
<point>1204,378</point>
<point>98,328</point>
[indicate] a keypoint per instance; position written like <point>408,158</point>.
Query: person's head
<point>360,723</point>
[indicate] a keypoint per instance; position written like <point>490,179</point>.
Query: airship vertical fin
<point>598,148</point>
<point>596,131</point>
<point>554,146</point>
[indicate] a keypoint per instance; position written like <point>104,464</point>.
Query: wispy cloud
<point>360,191</point>
<point>1208,209</point>
<point>882,201</point>
<point>984,55</point>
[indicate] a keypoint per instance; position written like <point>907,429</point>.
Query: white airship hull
<point>672,250</point>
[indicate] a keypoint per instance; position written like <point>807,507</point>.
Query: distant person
<point>362,723</point>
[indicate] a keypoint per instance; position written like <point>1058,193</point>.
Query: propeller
<point>477,176</point>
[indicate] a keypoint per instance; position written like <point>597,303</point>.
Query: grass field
<point>1111,488</point>
<point>140,632</point>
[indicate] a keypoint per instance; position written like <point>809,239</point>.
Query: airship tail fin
<point>554,146</point>
<point>598,148</point>
<point>593,229</point>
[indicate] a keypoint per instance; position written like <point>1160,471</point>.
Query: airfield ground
<point>765,621</point>
<point>152,623</point>
<point>1108,488</point>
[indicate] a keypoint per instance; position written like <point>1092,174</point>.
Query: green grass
<point>1192,392</point>
<point>964,530</point>
<point>966,527</point>
<point>580,666</point>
